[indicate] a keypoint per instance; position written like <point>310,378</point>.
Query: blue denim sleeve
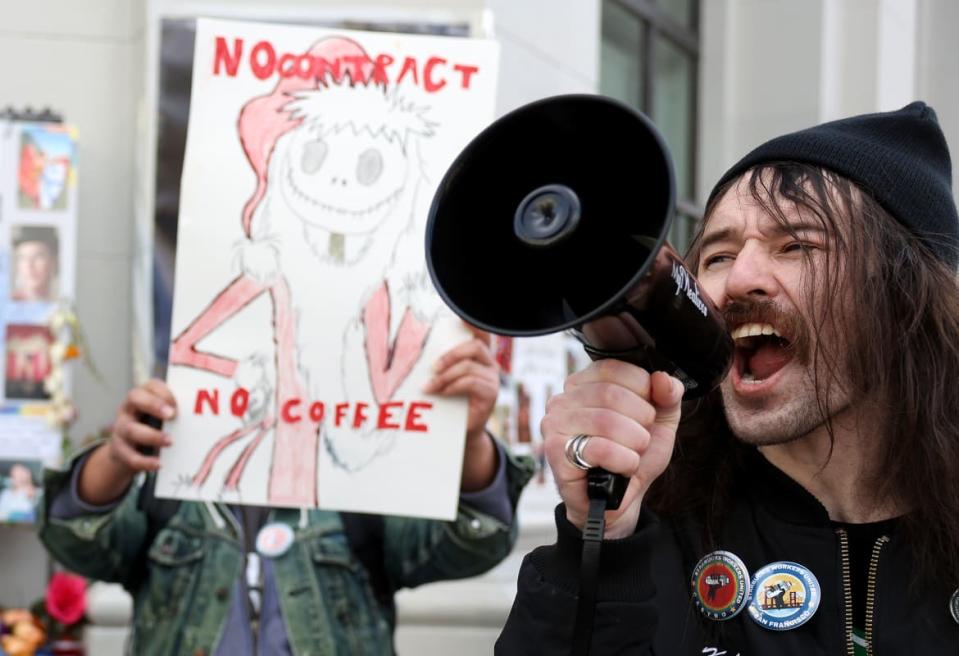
<point>493,500</point>
<point>68,504</point>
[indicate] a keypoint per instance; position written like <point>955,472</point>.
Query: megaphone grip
<point>601,484</point>
<point>605,491</point>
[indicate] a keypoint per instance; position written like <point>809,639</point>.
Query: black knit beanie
<point>900,158</point>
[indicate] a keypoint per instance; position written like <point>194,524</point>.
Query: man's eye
<point>799,246</point>
<point>714,260</point>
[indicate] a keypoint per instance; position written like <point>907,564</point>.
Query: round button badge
<point>785,595</point>
<point>274,540</point>
<point>954,606</point>
<point>720,585</point>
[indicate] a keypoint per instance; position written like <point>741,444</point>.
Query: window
<point>649,59</point>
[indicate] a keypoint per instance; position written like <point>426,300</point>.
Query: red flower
<point>66,597</point>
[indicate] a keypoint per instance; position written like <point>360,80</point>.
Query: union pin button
<point>785,595</point>
<point>720,585</point>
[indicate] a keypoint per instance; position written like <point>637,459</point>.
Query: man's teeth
<point>753,329</point>
<point>747,377</point>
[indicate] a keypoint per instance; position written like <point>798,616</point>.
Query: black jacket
<point>645,601</point>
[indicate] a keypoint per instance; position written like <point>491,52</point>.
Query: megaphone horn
<point>554,218</point>
<point>538,226</point>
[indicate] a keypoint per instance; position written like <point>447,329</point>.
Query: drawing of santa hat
<point>265,119</point>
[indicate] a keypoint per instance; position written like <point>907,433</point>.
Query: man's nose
<point>751,274</point>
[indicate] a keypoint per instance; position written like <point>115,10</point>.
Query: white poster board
<point>304,322</point>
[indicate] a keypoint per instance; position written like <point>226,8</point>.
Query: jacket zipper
<point>871,590</point>
<point>846,589</point>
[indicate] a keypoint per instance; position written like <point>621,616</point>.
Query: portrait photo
<point>45,172</point>
<point>35,266</point>
<point>19,490</point>
<point>28,361</point>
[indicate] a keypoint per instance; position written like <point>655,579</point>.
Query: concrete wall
<point>81,59</point>
<point>549,47</point>
<point>771,66</point>
<point>758,72</point>
<point>937,63</point>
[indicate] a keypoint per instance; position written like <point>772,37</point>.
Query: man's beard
<point>774,421</point>
<point>787,414</point>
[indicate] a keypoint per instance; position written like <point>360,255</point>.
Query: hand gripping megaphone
<point>554,218</point>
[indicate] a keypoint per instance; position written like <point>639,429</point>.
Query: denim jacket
<point>182,582</point>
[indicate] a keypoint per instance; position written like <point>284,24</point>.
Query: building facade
<point>717,77</point>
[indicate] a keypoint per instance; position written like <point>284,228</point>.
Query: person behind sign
<point>212,579</point>
<point>821,482</point>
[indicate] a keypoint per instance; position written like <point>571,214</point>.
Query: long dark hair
<point>901,313</point>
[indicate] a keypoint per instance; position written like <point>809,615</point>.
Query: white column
<point>760,73</point>
<point>773,66</point>
<point>548,47</point>
<point>937,69</point>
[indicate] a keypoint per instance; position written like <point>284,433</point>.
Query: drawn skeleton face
<point>342,181</point>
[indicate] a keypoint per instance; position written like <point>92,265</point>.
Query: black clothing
<point>645,604</point>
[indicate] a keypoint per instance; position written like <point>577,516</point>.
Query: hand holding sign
<point>470,369</point>
<point>133,444</point>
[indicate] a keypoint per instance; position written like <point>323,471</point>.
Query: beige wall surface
<point>772,66</point>
<point>938,69</point>
<point>81,59</point>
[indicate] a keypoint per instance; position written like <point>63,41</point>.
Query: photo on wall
<point>20,490</point>
<point>35,254</point>
<point>45,171</point>
<point>28,362</point>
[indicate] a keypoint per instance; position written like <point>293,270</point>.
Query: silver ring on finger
<point>574,452</point>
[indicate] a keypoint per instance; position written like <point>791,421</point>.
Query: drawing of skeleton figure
<point>328,227</point>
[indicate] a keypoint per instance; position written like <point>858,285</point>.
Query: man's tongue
<point>767,359</point>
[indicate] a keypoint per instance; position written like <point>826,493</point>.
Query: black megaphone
<point>554,218</point>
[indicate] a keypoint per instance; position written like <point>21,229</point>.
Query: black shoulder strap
<point>366,534</point>
<point>158,511</point>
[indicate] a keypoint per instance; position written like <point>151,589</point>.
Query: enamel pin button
<point>720,585</point>
<point>785,595</point>
<point>274,540</point>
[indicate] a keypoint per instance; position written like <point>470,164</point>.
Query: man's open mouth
<point>761,351</point>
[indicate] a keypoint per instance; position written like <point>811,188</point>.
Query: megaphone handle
<point>605,491</point>
<point>601,484</point>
